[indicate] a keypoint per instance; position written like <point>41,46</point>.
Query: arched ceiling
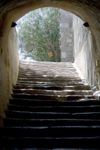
<point>87,10</point>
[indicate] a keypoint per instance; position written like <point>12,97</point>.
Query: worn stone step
<point>51,142</point>
<point>32,84</point>
<point>50,83</point>
<point>44,72</point>
<point>52,131</point>
<point>42,76</point>
<point>54,92</point>
<point>49,79</point>
<point>41,63</point>
<point>46,67</point>
<point>70,109</point>
<point>49,76</point>
<point>52,115</point>
<point>45,64</point>
<point>39,74</point>
<point>53,87</point>
<point>51,97</point>
<point>49,149</point>
<point>74,77</point>
<point>19,122</point>
<point>52,74</point>
<point>35,102</point>
<point>33,71</point>
<point>51,107</point>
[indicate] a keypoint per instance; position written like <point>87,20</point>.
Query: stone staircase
<point>51,108</point>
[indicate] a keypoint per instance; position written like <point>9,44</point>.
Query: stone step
<point>46,79</point>
<point>48,76</point>
<point>51,131</point>
<point>50,149</point>
<point>70,109</point>
<point>54,76</point>
<point>51,142</point>
<point>32,70</point>
<point>53,87</point>
<point>51,97</point>
<point>54,92</point>
<point>19,122</point>
<point>46,67</point>
<point>51,83</point>
<point>35,102</point>
<point>74,76</point>
<point>25,63</point>
<point>52,115</point>
<point>51,108</point>
<point>49,79</point>
<point>41,63</point>
<point>69,74</point>
<point>67,70</point>
<point>49,72</point>
<point>50,65</point>
<point>48,84</point>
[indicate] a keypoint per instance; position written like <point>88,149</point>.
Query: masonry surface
<point>67,43</point>
<point>51,107</point>
<point>11,11</point>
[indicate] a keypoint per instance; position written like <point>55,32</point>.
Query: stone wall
<point>9,63</point>
<point>84,50</point>
<point>66,37</point>
<point>80,34</point>
<point>77,44</point>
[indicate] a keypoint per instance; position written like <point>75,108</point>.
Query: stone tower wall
<point>67,43</point>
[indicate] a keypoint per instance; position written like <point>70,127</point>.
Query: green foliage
<point>39,34</point>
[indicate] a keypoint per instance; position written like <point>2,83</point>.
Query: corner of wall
<point>84,51</point>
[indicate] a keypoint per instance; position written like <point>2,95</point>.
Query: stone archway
<point>11,11</point>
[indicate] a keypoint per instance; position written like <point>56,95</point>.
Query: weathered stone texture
<point>80,34</point>
<point>77,41</point>
<point>66,37</point>
<point>8,72</point>
<point>84,50</point>
<point>12,10</point>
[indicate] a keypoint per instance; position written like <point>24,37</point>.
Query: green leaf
<point>39,34</point>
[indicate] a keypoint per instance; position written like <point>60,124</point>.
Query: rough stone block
<point>63,54</point>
